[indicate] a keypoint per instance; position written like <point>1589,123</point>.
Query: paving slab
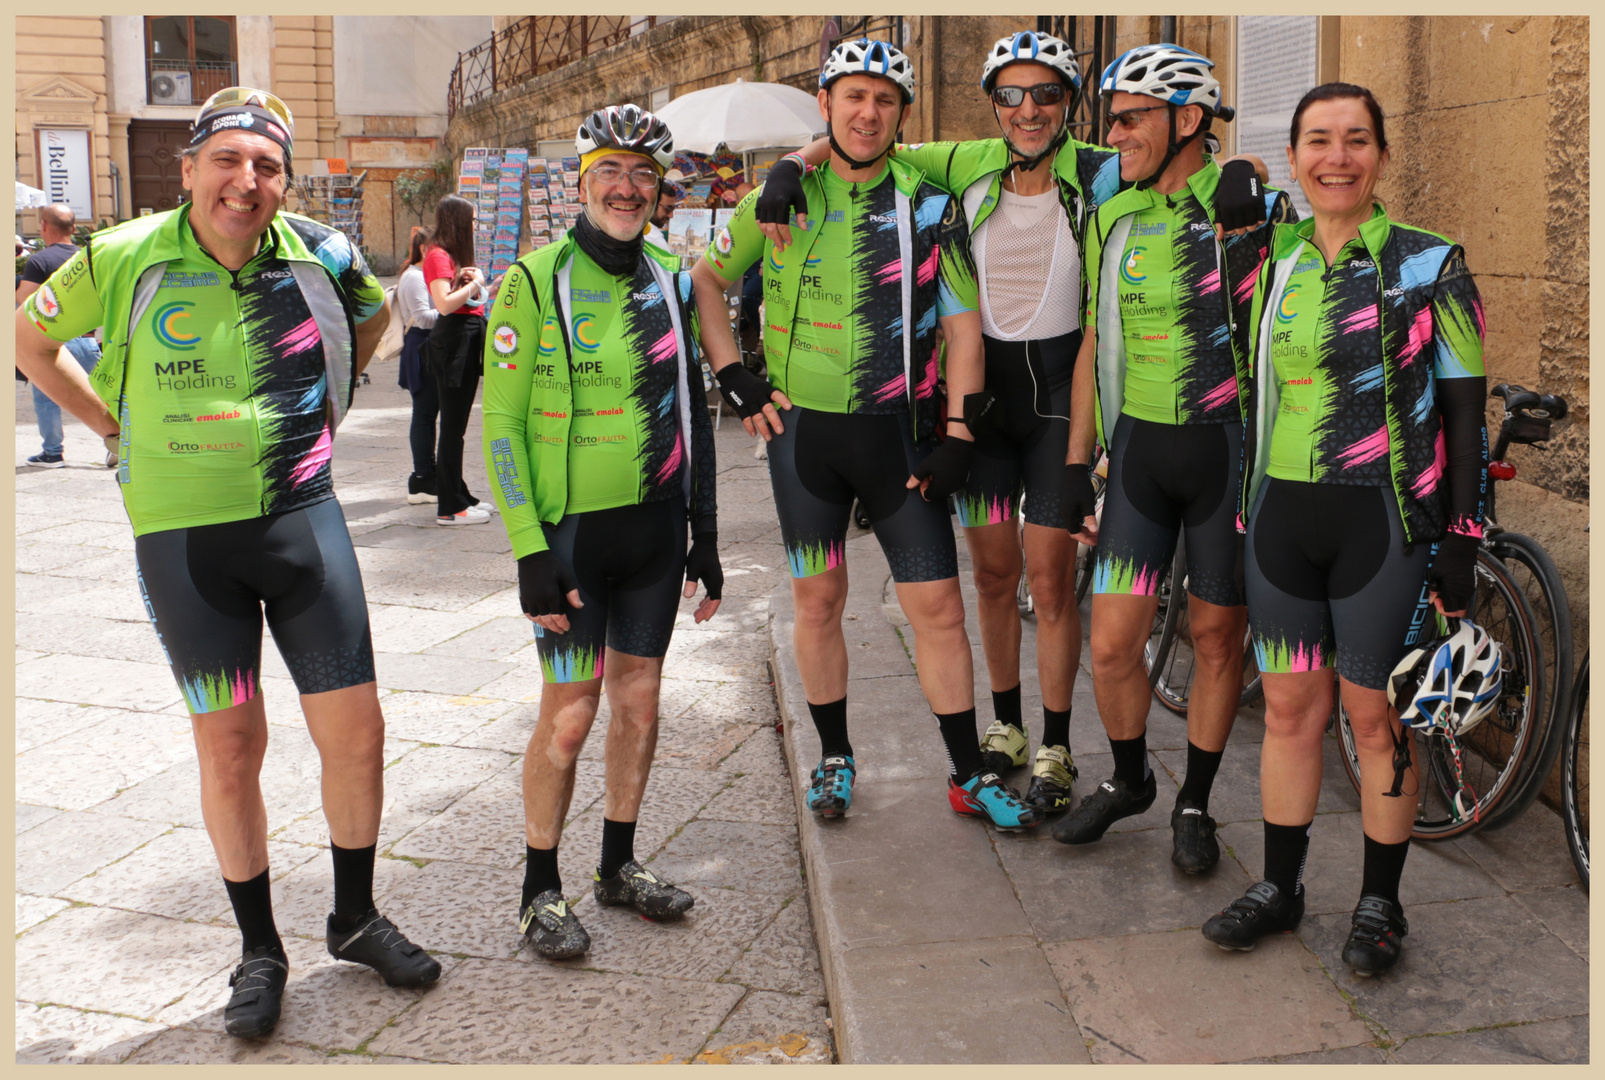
<point>33,910</point>
<point>1172,998</point>
<point>488,1012</point>
<point>1466,964</point>
<point>784,957</point>
<point>48,1035</point>
<point>63,961</point>
<point>97,761</point>
<point>770,1029</point>
<point>918,1003</point>
<point>1545,1042</point>
<point>56,853</point>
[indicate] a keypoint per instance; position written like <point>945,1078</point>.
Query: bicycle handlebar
<point>1524,402</point>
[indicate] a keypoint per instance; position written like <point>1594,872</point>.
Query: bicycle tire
<point>1574,789</point>
<point>1162,635</point>
<point>1499,606</point>
<point>1170,672</point>
<point>1539,579</point>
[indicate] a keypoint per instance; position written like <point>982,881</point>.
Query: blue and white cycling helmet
<point>1451,683</point>
<point>866,56</point>
<point>1030,47</point>
<point>1168,72</point>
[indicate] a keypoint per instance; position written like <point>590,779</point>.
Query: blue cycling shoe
<point>830,787</point>
<point>985,795</point>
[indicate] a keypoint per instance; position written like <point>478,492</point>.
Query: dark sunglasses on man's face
<point>1048,93</point>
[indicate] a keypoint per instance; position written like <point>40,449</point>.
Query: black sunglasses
<point>1048,93</point>
<point>1130,118</point>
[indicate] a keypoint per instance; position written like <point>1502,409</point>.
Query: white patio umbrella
<point>31,196</point>
<point>743,116</point>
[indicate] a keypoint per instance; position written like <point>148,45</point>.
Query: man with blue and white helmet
<point>1025,278</point>
<point>1160,383</point>
<point>851,314</point>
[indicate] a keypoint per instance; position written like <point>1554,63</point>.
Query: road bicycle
<point>1527,421</point>
<point>1168,654</point>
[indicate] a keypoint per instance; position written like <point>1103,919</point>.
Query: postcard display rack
<point>336,200</point>
<point>493,179</point>
<point>554,198</point>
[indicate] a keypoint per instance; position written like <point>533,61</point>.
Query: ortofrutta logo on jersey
<point>170,326</point>
<point>1284,310</point>
<point>505,340</point>
<point>1128,269</point>
<point>585,338</point>
<point>45,302</point>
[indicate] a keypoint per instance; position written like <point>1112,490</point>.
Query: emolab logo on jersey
<point>169,325</point>
<point>585,333</point>
<point>1284,310</point>
<point>1128,268</point>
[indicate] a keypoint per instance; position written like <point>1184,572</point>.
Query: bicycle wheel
<point>1173,664</point>
<point>1492,754</point>
<point>1574,789</point>
<point>1167,620</point>
<point>1535,574</point>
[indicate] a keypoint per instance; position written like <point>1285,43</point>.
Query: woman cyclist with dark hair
<point>1365,449</point>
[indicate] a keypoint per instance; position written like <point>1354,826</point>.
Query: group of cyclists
<point>951,320</point>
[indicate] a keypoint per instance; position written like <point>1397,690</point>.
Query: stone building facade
<point>1487,117</point>
<point>364,89</point>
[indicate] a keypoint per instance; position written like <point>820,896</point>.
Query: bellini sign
<point>65,169</point>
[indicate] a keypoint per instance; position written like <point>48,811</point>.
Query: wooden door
<point>153,165</point>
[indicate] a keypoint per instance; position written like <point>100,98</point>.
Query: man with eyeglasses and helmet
<point>601,455</point>
<point>850,343</point>
<point>234,333</point>
<point>1160,382</point>
<point>1026,197</point>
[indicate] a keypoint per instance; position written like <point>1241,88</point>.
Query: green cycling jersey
<point>228,385</point>
<point>593,401</point>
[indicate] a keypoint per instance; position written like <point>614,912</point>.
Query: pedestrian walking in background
<point>418,316</point>
<point>55,230</point>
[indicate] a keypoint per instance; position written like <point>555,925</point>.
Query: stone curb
<point>920,932</point>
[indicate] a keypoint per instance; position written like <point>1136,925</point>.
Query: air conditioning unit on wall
<point>170,88</point>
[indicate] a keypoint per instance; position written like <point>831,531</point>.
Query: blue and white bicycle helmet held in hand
<point>1450,683</point>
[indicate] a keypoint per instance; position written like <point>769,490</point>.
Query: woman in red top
<point>456,346</point>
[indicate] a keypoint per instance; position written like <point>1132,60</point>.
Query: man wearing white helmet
<point>1159,382</point>
<point>601,455</point>
<point>1025,278</point>
<point>850,341</point>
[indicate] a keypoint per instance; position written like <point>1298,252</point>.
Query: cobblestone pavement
<point>124,933</point>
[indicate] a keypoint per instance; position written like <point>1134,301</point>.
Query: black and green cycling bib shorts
<point>207,587</point>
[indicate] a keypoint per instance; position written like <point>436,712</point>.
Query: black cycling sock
<point>1201,768</point>
<point>963,743</point>
<point>830,720</point>
<point>540,873</point>
<point>1286,849</point>
<point>1055,727</point>
<point>618,846</point>
<point>353,884</point>
<point>1384,866</point>
<point>253,910</point>
<point>1131,760</point>
<point>1006,706</point>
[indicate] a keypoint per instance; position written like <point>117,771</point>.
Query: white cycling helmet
<point>629,128</point>
<point>1168,72</point>
<point>869,57</point>
<point>1450,683</point>
<point>1030,47</point>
